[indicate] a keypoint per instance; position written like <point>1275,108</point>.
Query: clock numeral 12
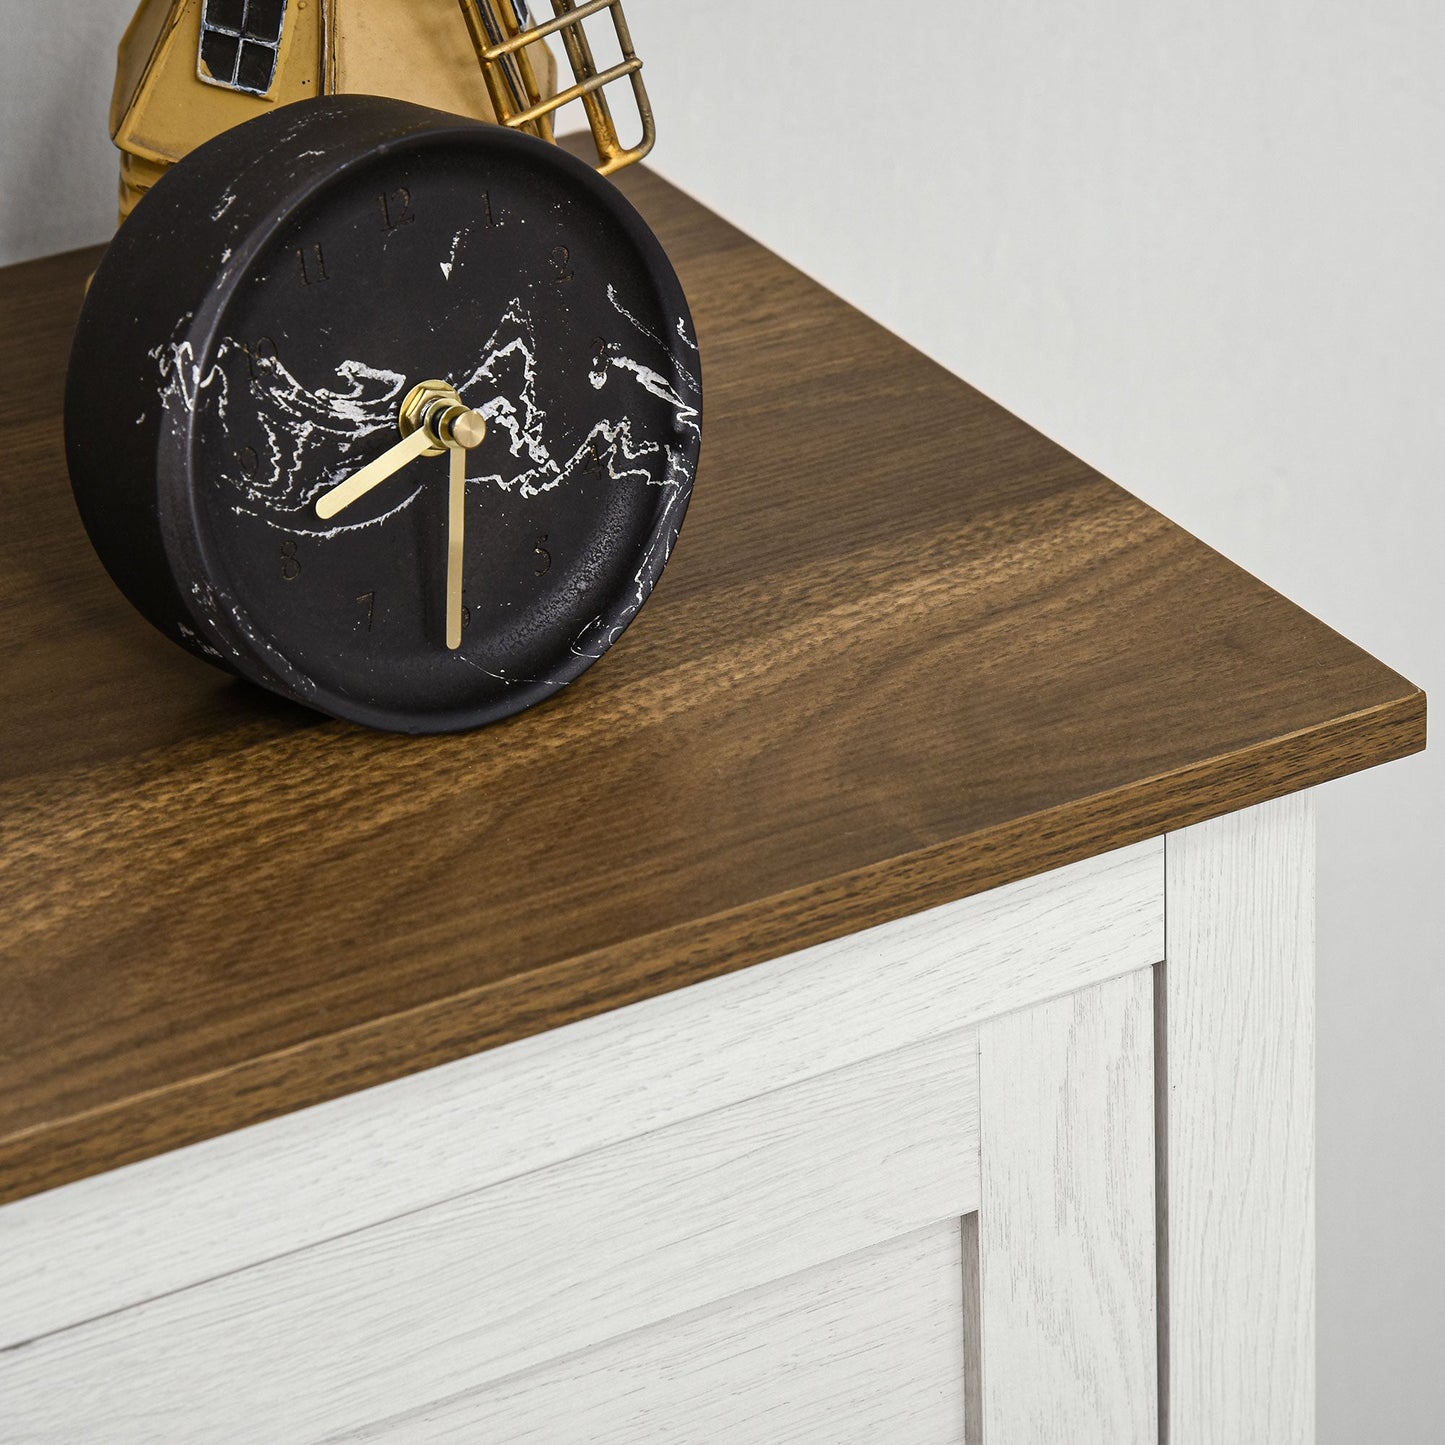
<point>313,264</point>
<point>403,215</point>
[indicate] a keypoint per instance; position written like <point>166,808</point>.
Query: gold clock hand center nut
<point>436,407</point>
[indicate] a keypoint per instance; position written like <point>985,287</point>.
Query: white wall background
<point>1203,246</point>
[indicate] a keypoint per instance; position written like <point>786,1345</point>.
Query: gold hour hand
<point>373,474</point>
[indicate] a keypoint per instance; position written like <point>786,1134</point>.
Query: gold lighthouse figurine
<point>190,69</point>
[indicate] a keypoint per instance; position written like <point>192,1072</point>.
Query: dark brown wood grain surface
<point>908,649</point>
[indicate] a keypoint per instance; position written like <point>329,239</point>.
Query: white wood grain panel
<point>1066,1226</point>
<point>434,1303</point>
<point>866,1348</point>
<point>1238,1024</point>
<point>972,1328</point>
<point>160,1225</point>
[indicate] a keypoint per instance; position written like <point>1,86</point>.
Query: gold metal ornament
<point>517,98</point>
<point>190,69</point>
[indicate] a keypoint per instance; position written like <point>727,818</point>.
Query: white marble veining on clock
<point>314,434</point>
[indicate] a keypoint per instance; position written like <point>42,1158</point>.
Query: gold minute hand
<point>373,474</point>
<point>456,523</point>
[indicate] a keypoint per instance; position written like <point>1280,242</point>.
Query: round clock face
<point>458,254</point>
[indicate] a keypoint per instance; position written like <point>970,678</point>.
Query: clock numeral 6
<point>560,257</point>
<point>544,557</point>
<point>313,264</point>
<point>395,208</point>
<point>290,567</point>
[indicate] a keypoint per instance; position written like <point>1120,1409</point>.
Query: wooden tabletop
<point>907,650</point>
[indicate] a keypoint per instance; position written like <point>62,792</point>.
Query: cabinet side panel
<point>1238,1024</point>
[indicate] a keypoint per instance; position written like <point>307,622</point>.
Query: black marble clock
<point>393,413</point>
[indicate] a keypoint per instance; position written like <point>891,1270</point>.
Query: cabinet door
<point>864,1348</point>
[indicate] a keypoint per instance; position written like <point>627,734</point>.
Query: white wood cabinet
<point>1036,1166</point>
